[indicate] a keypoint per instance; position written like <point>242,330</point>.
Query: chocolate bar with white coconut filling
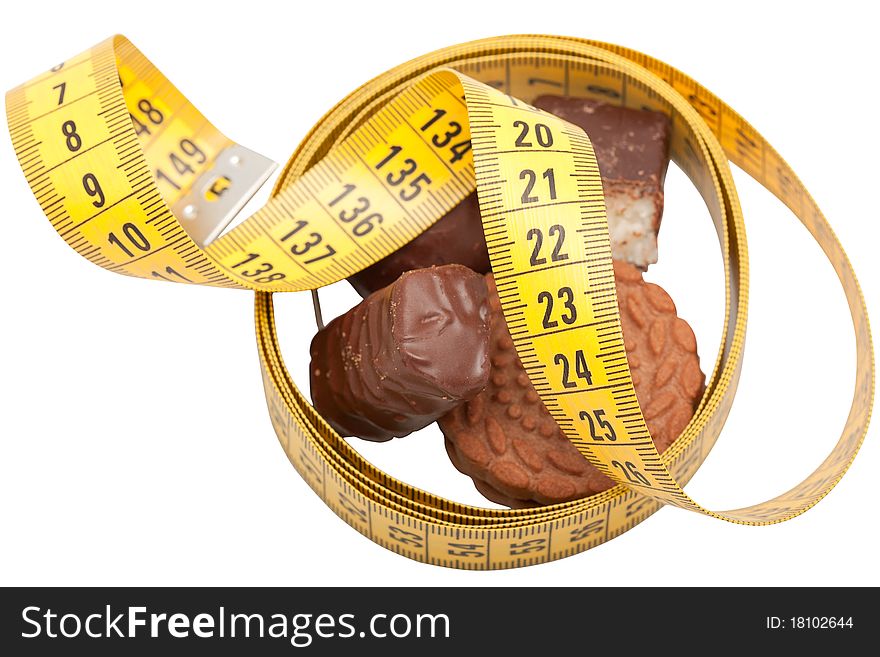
<point>632,150</point>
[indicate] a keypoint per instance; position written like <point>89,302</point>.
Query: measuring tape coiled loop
<point>135,179</point>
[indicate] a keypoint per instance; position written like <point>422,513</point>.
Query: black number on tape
<point>62,87</point>
<point>543,135</point>
<point>364,225</point>
<point>530,176</point>
<point>313,240</point>
<point>566,295</point>
<point>385,160</point>
<point>444,138</point>
<point>352,508</point>
<point>551,183</point>
<point>559,231</point>
<point>74,141</point>
<point>189,149</point>
<point>276,276</point>
<point>347,189</point>
<point>134,237</point>
<point>603,422</point>
<point>531,545</point>
<point>414,187</point>
<point>350,215</point>
<point>526,195</point>
<point>410,166</point>
<point>581,370</point>
<point>311,468</point>
<point>459,150</point>
<point>536,260</point>
<point>467,550</point>
<point>139,128</point>
<point>405,536</point>
<point>584,531</point>
<point>453,131</point>
<point>632,474</point>
<point>153,114</point>
<point>93,188</point>
<point>179,164</point>
<point>538,236</point>
<point>438,114</point>
<point>171,272</point>
<point>262,268</point>
<point>546,297</point>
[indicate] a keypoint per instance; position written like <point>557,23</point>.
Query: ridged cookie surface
<point>506,440</point>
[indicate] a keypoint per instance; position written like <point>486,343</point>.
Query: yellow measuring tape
<point>135,179</point>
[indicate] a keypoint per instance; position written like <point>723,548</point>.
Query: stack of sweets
<point>429,341</point>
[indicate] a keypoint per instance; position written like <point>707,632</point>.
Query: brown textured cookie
<point>506,440</point>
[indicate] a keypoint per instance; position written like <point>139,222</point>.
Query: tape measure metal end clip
<point>219,194</point>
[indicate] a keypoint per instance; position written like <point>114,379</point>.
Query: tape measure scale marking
<point>390,512</point>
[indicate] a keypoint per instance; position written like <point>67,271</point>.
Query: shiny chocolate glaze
<point>404,356</point>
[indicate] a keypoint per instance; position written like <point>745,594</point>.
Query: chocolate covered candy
<point>632,152</point>
<point>456,238</point>
<point>509,444</point>
<point>404,356</point>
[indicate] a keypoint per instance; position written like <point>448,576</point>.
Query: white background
<point>94,490</point>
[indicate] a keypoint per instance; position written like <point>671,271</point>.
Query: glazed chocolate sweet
<point>404,356</point>
<point>456,238</point>
<point>506,440</point>
<point>632,151</point>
